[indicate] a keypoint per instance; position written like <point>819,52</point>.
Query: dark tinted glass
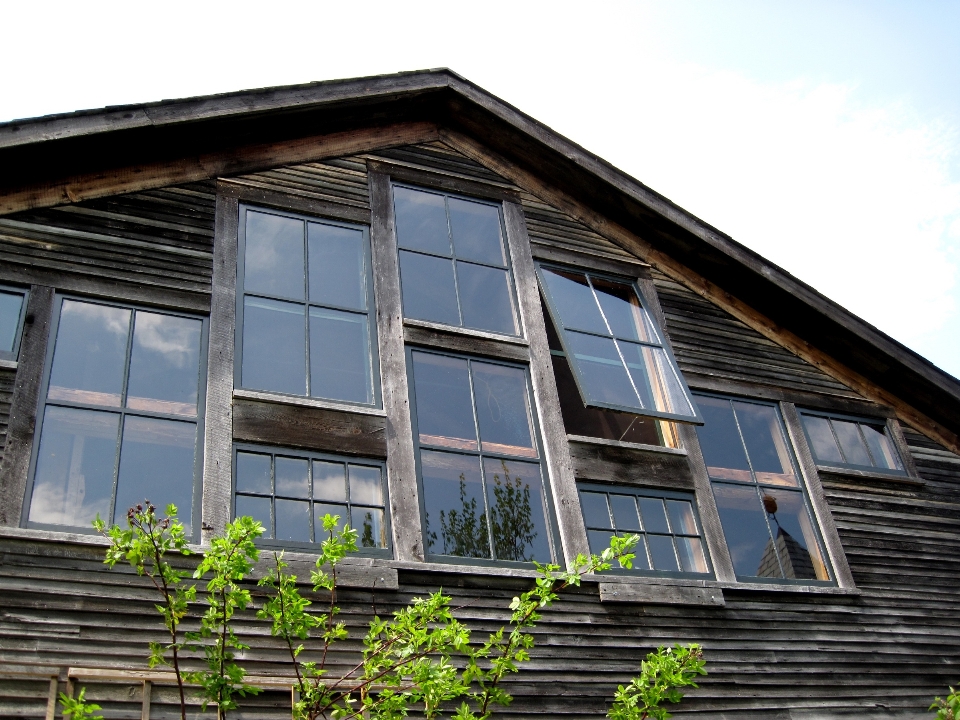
<point>273,258</point>
<point>10,306</point>
<point>291,478</point>
<point>455,512</point>
<point>595,512</point>
<point>682,521</point>
<point>428,288</point>
<point>720,441</point>
<point>75,466</point>
<point>851,443</point>
<point>366,485</point>
<point>573,300</point>
<point>822,441</point>
<point>329,481</point>
<point>627,319</point>
<point>340,356</point>
<point>882,450</point>
<point>338,511</point>
<point>625,513</point>
<point>766,444</point>
<point>600,540</point>
<point>421,221</point>
<point>337,268</point>
<point>164,364</point>
<point>444,408</point>
<point>253,473</point>
<point>662,553</point>
<point>157,463</point>
<point>293,520</point>
<point>485,298</point>
<point>796,540</point>
<point>652,513</point>
<point>502,409</point>
<point>515,499</point>
<point>274,346</point>
<point>602,374</point>
<point>90,354</point>
<point>259,509</point>
<point>692,557</point>
<point>476,231</point>
<point>368,522</point>
<point>745,529</point>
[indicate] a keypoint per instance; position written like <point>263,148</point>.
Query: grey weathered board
<point>7,378</point>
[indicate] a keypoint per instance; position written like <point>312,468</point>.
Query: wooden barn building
<point>401,300</point>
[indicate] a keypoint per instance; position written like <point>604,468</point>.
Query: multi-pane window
<point>13,306</point>
<point>303,308</point>
<point>120,421</point>
<point>593,422</point>
<point>667,523</point>
<point>290,492</point>
<point>482,487</point>
<point>454,266</point>
<point>615,351</point>
<point>851,443</point>
<point>764,511</point>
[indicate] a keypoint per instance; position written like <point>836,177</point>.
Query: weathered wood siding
<point>7,378</point>
<point>342,181</point>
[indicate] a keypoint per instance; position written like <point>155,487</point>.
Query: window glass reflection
<point>455,518</point>
<point>822,441</point>
<point>291,477</point>
<point>365,485</point>
<point>338,274</point>
<point>476,231</point>
<point>368,522</point>
<point>340,356</point>
<point>852,445</point>
<point>428,288</point>
<point>293,520</point>
<point>444,405</point>
<point>165,364</point>
<point>259,509</point>
<point>253,473</point>
<point>574,301</point>
<point>503,411</point>
<point>485,298</point>
<point>836,441</point>
<point>881,449</point>
<point>517,519</point>
<point>274,335</point>
<point>421,220</point>
<point>273,257</point>
<point>11,305</point>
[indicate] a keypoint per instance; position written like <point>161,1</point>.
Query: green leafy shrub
<point>947,708</point>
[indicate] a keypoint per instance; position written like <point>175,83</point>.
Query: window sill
<point>586,440</point>
<point>307,402</point>
<point>470,332</point>
<point>8,364</point>
<point>871,475</point>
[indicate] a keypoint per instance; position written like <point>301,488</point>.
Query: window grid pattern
<point>667,523</point>
<point>13,309</point>
<point>851,442</point>
<point>318,271</point>
<point>289,493</point>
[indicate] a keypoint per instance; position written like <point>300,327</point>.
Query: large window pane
<point>366,485</point>
<point>517,519</point>
<point>340,356</point>
<point>476,231</point>
<point>253,473</point>
<point>259,509</point>
<point>485,298</point>
<point>429,292</point>
<point>293,520</point>
<point>11,305</point>
<point>444,407</point>
<point>573,300</point>
<point>292,479</point>
<point>368,522</point>
<point>836,441</point>
<point>157,463</point>
<point>653,515</point>
<point>455,512</point>
<point>274,346</point>
<point>621,307</point>
<point>796,539</point>
<point>766,444</point>
<point>625,512</point>
<point>421,221</point>
<point>662,553</point>
<point>273,259</point>
<point>503,411</point>
<point>881,448</point>
<point>73,482</point>
<point>90,354</point>
<point>164,364</point>
<point>329,481</point>
<point>822,441</point>
<point>602,374</point>
<point>745,528</point>
<point>720,441</point>
<point>852,445</point>
<point>338,274</point>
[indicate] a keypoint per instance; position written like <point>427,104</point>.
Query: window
<point>303,308</point>
<point>766,518</point>
<point>851,443</point>
<point>670,539</point>
<point>13,306</point>
<point>453,262</point>
<point>613,347</point>
<point>290,492</point>
<point>120,416</point>
<point>483,493</point>
<point>578,419</point>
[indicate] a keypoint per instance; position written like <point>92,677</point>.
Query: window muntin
<point>671,541</point>
<point>303,308</point>
<point>614,349</point>
<point>453,261</point>
<point>121,414</point>
<point>764,511</point>
<point>290,492</point>
<point>13,307</point>
<point>483,492</point>
<point>851,442</point>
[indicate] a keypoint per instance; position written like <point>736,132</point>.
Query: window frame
<point>646,305</point>
<point>893,473</point>
<point>14,355</point>
<point>371,311</point>
<point>505,244</point>
<point>122,411</point>
<point>830,562</point>
<point>275,451</point>
<point>648,492</point>
<point>550,514</point>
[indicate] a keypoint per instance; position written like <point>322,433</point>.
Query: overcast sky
<point>825,135</point>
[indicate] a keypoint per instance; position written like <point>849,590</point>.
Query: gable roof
<point>63,158</point>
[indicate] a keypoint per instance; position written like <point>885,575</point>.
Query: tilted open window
<point>618,358</point>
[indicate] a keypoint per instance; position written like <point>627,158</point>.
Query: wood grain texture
<point>630,466</point>
<point>450,339</point>
<point>22,423</point>
<point>401,464</point>
<point>660,594</point>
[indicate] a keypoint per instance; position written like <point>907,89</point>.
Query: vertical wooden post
<point>145,706</point>
<point>401,463</point>
<point>23,405</point>
<point>52,698</point>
